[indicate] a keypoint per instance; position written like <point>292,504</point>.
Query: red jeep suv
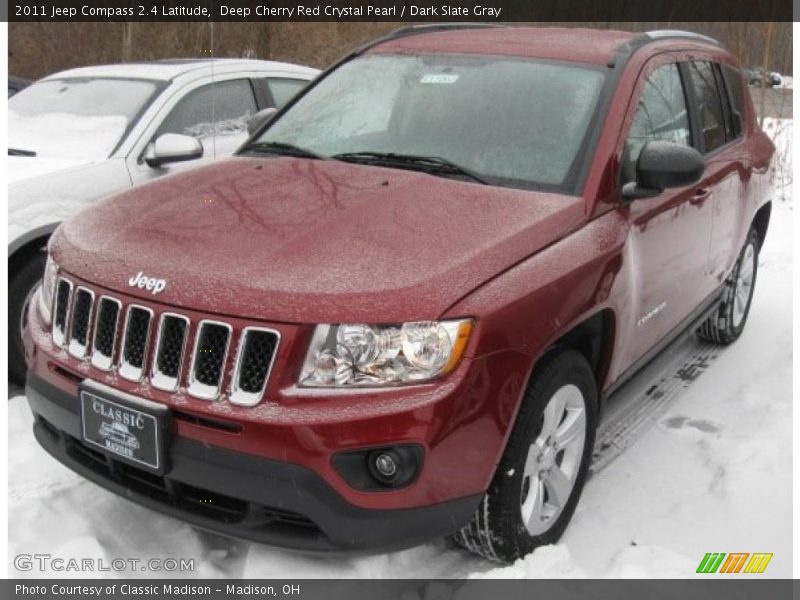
<point>397,313</point>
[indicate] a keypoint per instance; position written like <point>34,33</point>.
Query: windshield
<point>80,119</point>
<point>508,120</point>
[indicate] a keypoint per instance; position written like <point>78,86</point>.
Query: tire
<point>507,525</point>
<point>22,284</point>
<point>727,324</point>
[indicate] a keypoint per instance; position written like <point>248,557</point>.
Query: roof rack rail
<point>658,34</point>
<point>623,52</point>
<point>413,30</point>
<point>431,27</point>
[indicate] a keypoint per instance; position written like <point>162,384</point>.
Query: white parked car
<point>80,135</point>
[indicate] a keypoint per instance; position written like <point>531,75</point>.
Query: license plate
<point>128,428</point>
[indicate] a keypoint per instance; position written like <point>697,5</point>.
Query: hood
<point>297,240</point>
<point>21,168</point>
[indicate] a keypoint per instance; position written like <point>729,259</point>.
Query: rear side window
<point>660,115</point>
<point>709,104</point>
<point>733,81</point>
<point>283,90</point>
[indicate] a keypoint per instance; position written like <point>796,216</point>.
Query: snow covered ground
<point>712,474</point>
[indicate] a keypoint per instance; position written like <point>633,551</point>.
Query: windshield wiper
<point>18,152</point>
<point>428,164</point>
<point>282,148</point>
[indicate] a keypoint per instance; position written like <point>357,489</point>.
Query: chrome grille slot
<point>208,359</point>
<point>80,322</point>
<point>134,342</point>
<point>105,332</point>
<point>170,345</point>
<point>257,349</point>
<point>61,312</point>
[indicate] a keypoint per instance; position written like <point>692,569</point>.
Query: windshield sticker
<point>439,78</point>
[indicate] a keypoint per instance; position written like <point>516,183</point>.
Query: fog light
<point>385,465</point>
<point>374,469</point>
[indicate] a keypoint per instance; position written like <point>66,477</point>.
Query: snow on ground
<point>714,475</point>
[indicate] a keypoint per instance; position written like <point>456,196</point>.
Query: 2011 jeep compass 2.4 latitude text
<point>398,312</point>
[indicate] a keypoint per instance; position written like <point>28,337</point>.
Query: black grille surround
<point>257,347</point>
<point>61,312</point>
<point>210,352</point>
<point>170,347</point>
<point>135,341</point>
<point>80,322</point>
<point>168,350</point>
<point>105,332</point>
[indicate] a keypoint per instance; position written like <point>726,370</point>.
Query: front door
<point>214,113</point>
<point>669,233</point>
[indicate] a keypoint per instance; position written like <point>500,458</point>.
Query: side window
<point>733,81</point>
<point>215,109</point>
<point>709,104</point>
<point>284,90</point>
<point>661,115</point>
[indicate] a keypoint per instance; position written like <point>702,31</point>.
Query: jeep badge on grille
<point>140,280</point>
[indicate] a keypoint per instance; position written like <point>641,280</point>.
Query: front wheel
<point>542,472</point>
<point>727,323</point>
<point>22,285</point>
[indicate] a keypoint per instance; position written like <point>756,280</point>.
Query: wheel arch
<point>33,240</point>
<point>593,338</point>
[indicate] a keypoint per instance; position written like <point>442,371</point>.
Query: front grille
<point>210,351</point>
<point>134,342</point>
<point>105,332</point>
<point>170,345</point>
<point>79,323</point>
<point>63,297</point>
<point>256,353</point>
<point>86,327</point>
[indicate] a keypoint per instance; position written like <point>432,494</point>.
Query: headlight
<point>379,355</point>
<point>48,289</point>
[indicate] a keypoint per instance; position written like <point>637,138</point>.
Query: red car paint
<point>260,241</point>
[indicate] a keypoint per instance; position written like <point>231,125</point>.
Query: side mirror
<point>173,147</point>
<point>255,122</point>
<point>663,165</point>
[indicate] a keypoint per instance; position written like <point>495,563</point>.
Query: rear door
<point>720,105</point>
<point>669,233</point>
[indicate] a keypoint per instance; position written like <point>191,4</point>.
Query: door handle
<point>700,195</point>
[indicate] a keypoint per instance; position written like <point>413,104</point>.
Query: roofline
<point>621,55</point>
<point>189,68</point>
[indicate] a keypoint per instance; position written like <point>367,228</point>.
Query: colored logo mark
<point>734,562</point>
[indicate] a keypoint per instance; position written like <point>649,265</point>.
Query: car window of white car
<point>283,89</point>
<point>216,114</point>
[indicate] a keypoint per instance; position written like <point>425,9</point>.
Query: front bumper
<point>237,494</point>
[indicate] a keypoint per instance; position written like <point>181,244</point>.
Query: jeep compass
<point>396,314</point>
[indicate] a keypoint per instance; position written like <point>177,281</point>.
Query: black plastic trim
<point>262,484</point>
